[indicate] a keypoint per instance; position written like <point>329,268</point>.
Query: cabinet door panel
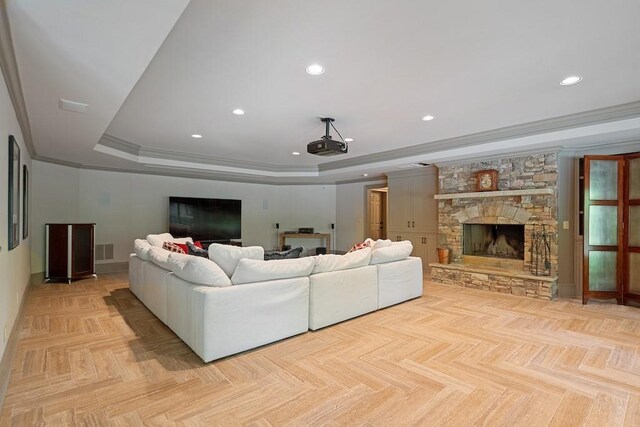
<point>424,209</point>
<point>400,203</point>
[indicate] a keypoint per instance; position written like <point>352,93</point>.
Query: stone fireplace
<point>490,233</point>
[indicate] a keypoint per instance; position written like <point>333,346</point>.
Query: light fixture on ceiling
<point>238,112</point>
<point>196,135</point>
<point>427,118</point>
<point>365,175</point>
<point>315,69</point>
<point>296,153</point>
<point>571,80</point>
<point>348,140</point>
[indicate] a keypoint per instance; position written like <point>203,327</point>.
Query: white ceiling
<point>476,66</point>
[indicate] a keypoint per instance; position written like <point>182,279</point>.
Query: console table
<point>325,236</point>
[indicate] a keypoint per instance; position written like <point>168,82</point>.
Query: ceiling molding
<point>12,78</point>
<point>136,150</point>
<point>603,115</point>
<point>46,159</point>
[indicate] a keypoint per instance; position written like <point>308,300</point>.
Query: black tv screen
<point>205,219</point>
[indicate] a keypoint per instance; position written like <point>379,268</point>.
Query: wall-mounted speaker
<point>277,225</point>
<point>333,226</point>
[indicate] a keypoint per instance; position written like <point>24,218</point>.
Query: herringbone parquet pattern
<point>91,354</point>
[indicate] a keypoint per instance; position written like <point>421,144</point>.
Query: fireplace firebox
<point>494,240</point>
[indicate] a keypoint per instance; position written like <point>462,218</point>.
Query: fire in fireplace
<point>494,240</point>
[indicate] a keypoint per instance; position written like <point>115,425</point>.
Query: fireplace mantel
<point>505,193</point>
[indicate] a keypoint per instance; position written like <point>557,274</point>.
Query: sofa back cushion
<point>380,243</point>
<point>353,259</point>
<point>159,257</point>
<point>159,239</point>
<point>395,252</point>
<point>141,248</point>
<point>197,270</point>
<point>253,270</point>
<point>227,256</point>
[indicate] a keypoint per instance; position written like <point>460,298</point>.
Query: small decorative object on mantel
<point>487,180</point>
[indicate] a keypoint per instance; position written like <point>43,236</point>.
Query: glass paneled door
<point>632,229</point>
<point>603,228</point>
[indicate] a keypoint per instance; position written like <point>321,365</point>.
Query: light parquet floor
<point>91,354</point>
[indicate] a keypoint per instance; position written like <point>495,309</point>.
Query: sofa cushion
<point>159,239</point>
<point>182,240</point>
<point>227,256</point>
<point>141,249</point>
<point>395,252</point>
<point>175,247</point>
<point>325,263</point>
<point>198,270</point>
<point>159,257</point>
<point>253,270</point>
<point>377,244</point>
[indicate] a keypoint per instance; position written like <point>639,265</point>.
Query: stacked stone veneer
<point>530,172</point>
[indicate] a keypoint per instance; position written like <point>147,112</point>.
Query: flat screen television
<point>205,219</point>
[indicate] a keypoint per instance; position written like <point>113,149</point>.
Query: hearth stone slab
<point>495,279</point>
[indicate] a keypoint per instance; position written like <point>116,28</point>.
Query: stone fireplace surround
<point>533,204</point>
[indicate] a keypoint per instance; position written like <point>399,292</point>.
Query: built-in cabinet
<point>413,212</point>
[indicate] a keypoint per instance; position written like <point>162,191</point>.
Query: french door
<point>611,228</point>
<point>631,287</point>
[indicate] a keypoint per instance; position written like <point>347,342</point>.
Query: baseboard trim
<point>112,267</point>
<point>12,342</point>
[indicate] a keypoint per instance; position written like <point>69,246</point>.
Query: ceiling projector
<point>327,146</point>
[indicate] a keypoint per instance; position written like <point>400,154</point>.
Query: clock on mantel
<point>487,180</point>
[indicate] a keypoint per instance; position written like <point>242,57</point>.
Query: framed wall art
<point>25,202</point>
<point>14,193</point>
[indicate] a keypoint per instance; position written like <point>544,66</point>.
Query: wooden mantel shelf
<point>505,193</point>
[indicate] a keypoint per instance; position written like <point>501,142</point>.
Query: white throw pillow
<point>141,248</point>
<point>198,270</point>
<point>159,239</point>
<point>377,244</point>
<point>354,259</point>
<point>159,257</point>
<point>182,240</point>
<point>395,252</point>
<point>253,270</point>
<point>227,256</point>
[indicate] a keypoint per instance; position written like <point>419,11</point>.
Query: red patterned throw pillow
<point>174,247</point>
<point>359,246</point>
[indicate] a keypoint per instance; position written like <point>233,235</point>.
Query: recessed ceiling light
<point>348,140</point>
<point>365,174</point>
<point>428,118</point>
<point>315,69</point>
<point>571,80</point>
<point>295,153</point>
<point>238,112</point>
<point>195,135</point>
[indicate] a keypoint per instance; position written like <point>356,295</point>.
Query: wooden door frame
<point>367,212</point>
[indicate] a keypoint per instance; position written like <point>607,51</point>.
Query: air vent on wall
<point>76,107</point>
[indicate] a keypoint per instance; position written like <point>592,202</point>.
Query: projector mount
<point>326,145</point>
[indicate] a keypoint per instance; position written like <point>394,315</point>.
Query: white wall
<point>351,213</point>
<point>14,265</point>
<point>126,206</point>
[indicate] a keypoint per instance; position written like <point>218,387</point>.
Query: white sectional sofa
<point>236,301</point>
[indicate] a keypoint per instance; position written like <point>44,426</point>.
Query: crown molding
<point>12,78</point>
<point>154,153</point>
<point>593,117</point>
